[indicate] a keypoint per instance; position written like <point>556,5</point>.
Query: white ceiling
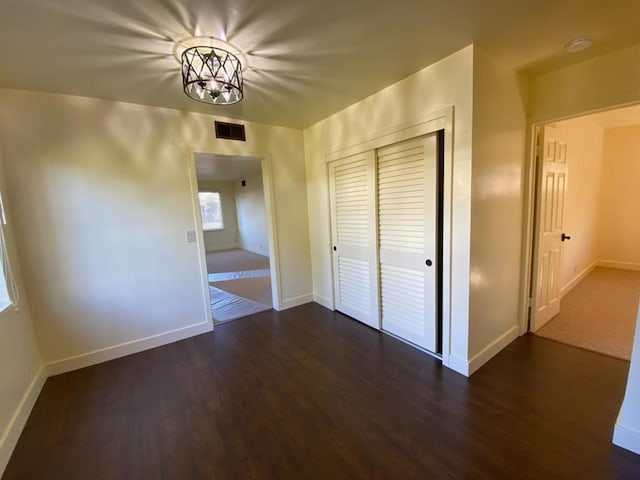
<point>223,168</point>
<point>306,58</point>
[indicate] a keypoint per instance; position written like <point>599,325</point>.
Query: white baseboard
<point>619,265</point>
<point>12,433</point>
<point>104,354</point>
<point>457,364</point>
<point>324,301</point>
<point>626,437</point>
<point>226,246</point>
<point>468,368</point>
<point>296,301</point>
<point>578,278</point>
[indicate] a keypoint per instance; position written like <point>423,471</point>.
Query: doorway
<point>235,219</point>
<point>585,267</point>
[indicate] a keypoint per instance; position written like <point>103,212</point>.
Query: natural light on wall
<point>8,287</point>
<point>211,210</point>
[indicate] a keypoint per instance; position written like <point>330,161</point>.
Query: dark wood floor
<point>308,393</point>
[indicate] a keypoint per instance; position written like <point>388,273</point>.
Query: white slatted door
<point>353,226</point>
<point>407,219</point>
<point>551,191</point>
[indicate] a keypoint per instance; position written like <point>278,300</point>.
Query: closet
<point>385,219</point>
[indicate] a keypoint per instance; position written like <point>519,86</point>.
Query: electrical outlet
<point>191,236</point>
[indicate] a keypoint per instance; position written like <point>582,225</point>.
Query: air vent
<point>230,131</point>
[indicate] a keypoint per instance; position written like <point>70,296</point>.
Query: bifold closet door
<point>353,219</point>
<point>407,223</point>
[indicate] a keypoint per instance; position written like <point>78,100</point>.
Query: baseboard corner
<point>10,436</point>
<point>626,438</point>
<point>296,301</point>
<point>324,301</point>
<point>491,350</point>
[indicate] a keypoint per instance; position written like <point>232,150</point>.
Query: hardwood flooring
<point>310,394</point>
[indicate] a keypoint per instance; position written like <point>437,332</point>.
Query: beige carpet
<point>235,260</point>
<point>256,289</point>
<point>599,313</point>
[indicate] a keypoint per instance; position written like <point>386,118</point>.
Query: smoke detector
<point>578,45</point>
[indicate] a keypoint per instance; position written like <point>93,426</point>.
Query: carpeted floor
<point>240,284</point>
<point>235,260</point>
<point>599,313</point>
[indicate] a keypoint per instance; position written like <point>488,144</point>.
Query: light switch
<point>191,236</point>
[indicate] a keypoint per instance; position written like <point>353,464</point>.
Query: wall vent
<point>230,131</point>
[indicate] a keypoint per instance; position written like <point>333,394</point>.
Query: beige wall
<point>584,139</point>
<point>447,82</point>
<point>619,237</point>
<point>499,106</point>
<point>20,360</point>
<point>102,198</point>
<point>252,215</point>
<point>596,84</point>
<point>228,236</point>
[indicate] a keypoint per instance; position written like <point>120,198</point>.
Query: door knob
<point>565,237</point>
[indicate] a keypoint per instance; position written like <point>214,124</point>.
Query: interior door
<point>354,232</point>
<point>551,189</point>
<point>407,216</point>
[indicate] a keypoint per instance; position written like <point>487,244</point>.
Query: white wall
<point>252,216</point>
<point>226,238</point>
<point>627,429</point>
<point>102,198</point>
<point>499,105</point>
<point>445,83</point>
<point>21,375</point>
<point>584,139</point>
<point>619,238</point>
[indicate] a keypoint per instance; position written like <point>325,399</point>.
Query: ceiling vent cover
<point>230,131</point>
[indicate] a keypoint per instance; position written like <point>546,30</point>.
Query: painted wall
<point>627,430</point>
<point>252,216</point>
<point>584,139</point>
<point>101,194</point>
<point>445,83</point>
<point>619,233</point>
<point>21,377</point>
<point>596,84</point>
<point>227,237</point>
<point>499,116</point>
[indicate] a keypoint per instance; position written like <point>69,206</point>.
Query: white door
<point>353,229</point>
<point>407,203</point>
<point>551,188</point>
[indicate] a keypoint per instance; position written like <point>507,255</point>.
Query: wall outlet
<point>191,236</point>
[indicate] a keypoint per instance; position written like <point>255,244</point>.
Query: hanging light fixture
<point>212,75</point>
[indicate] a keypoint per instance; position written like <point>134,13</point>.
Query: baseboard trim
<point>626,437</point>
<point>488,352</point>
<point>619,265</point>
<point>12,433</point>
<point>135,346</point>
<point>457,364</point>
<point>324,301</point>
<point>296,301</point>
<point>578,278</point>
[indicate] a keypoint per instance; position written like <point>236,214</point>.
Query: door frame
<point>432,122</point>
<point>530,209</point>
<point>272,232</point>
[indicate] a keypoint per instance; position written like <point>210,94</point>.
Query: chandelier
<point>212,75</point>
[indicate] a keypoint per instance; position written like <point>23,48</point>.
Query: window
<point>211,209</point>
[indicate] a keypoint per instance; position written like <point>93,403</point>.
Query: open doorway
<point>234,223</point>
<point>585,280</point>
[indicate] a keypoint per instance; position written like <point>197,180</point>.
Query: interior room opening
<point>235,231</point>
<point>585,280</point>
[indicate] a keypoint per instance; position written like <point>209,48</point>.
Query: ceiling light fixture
<point>578,45</point>
<point>212,75</point>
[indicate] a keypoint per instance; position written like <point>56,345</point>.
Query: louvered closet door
<point>352,193</point>
<point>407,205</point>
